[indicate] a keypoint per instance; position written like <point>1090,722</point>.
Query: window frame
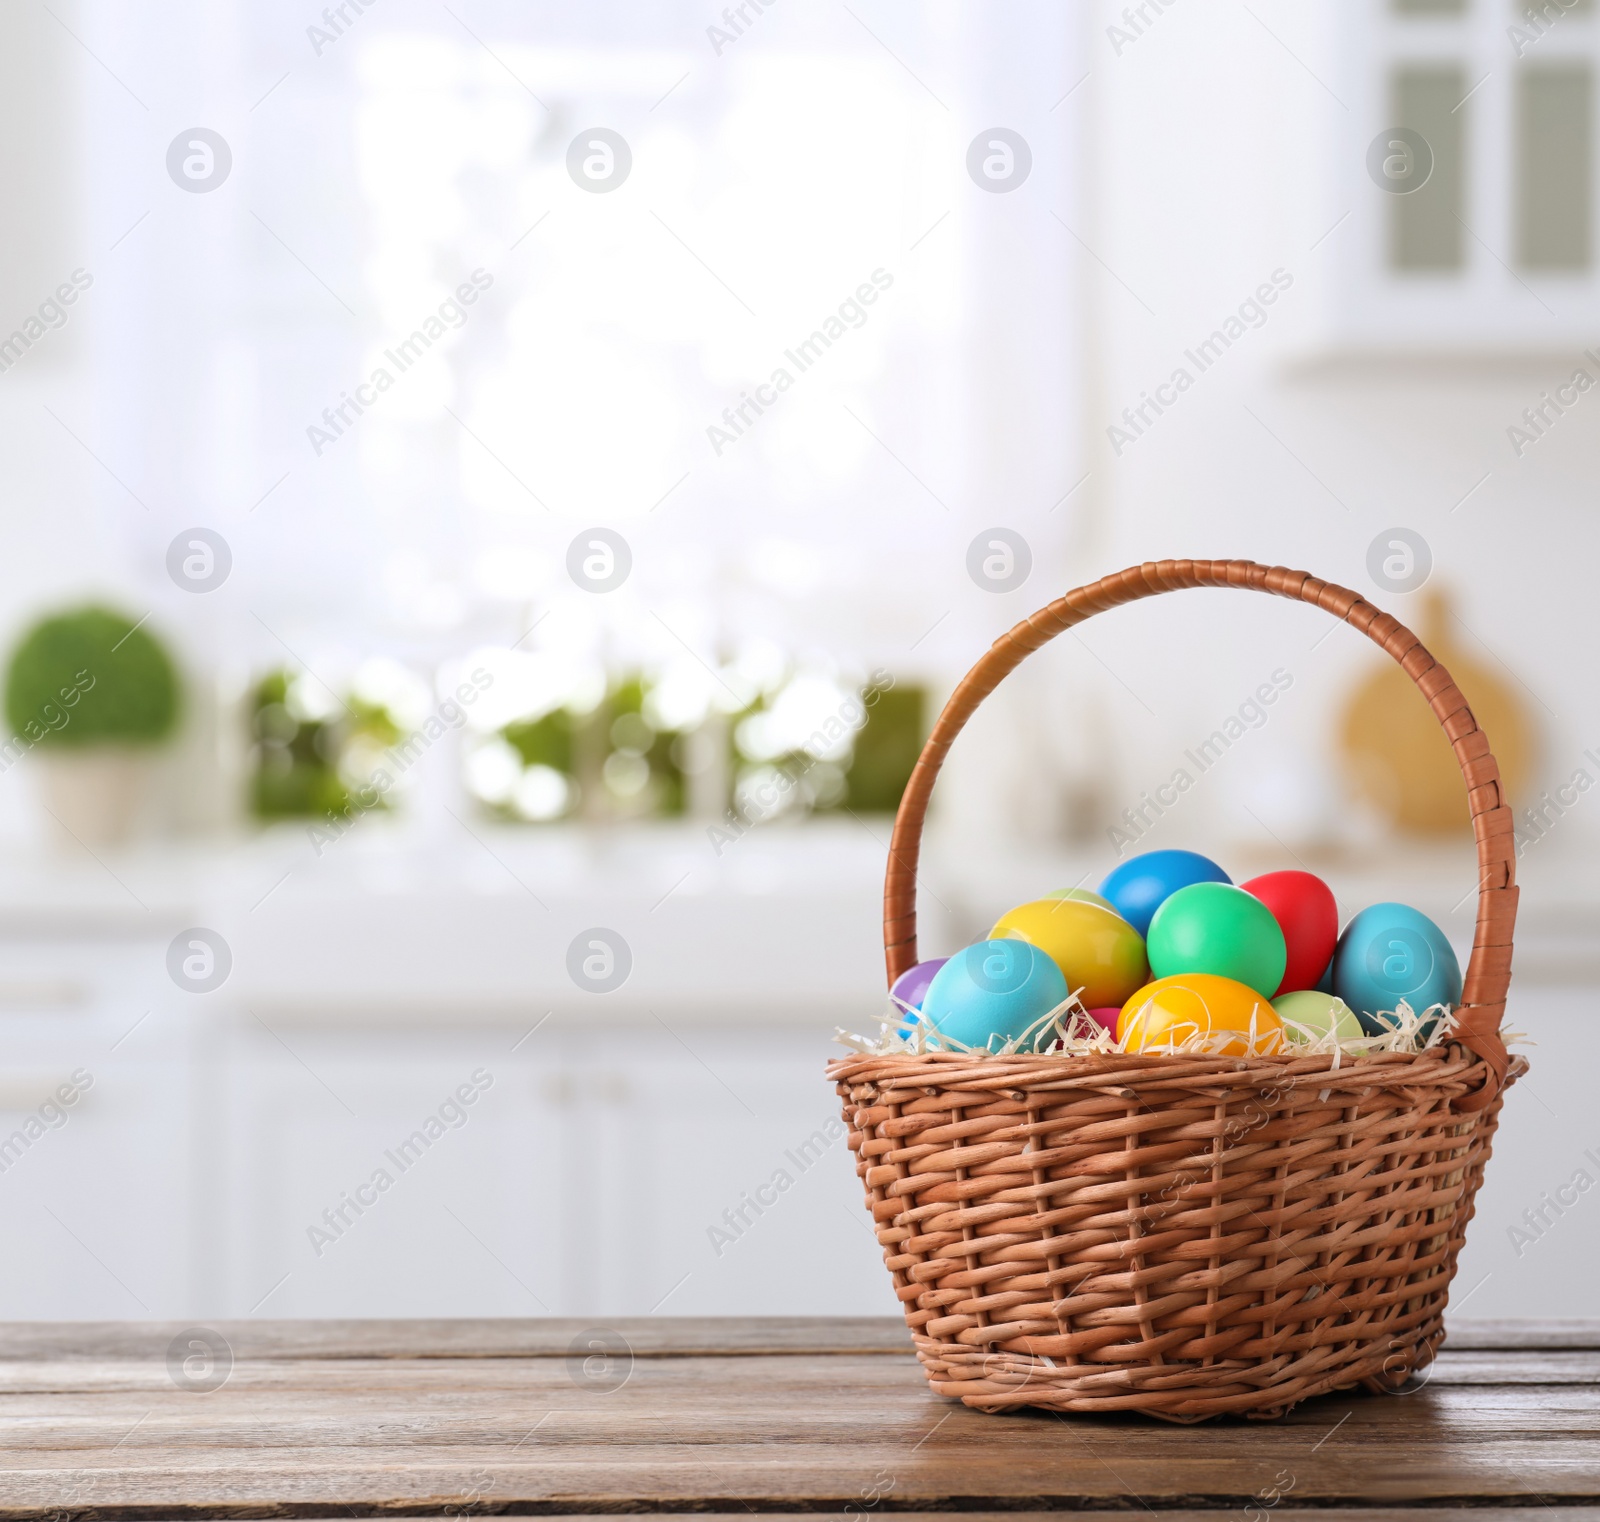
<point>1490,302</point>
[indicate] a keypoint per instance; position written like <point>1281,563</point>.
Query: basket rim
<point>1450,1063</point>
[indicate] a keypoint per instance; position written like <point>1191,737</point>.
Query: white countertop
<point>781,927</point>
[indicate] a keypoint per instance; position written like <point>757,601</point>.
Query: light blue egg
<point>1390,952</point>
<point>994,989</point>
<point>1143,883</point>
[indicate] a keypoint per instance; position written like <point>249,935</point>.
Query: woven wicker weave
<point>1182,1235</point>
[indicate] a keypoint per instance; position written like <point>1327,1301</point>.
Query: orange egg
<point>1100,954</point>
<point>1172,1010</point>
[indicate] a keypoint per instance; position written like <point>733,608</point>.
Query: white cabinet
<point>1549,1132</point>
<point>97,1195</point>
<point>724,1183</point>
<point>357,1180</point>
<point>584,1179</point>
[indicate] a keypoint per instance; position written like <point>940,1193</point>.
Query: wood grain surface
<point>410,1419</point>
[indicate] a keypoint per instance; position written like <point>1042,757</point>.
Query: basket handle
<point>1489,970</point>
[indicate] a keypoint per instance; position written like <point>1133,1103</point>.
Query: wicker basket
<point>1182,1236</point>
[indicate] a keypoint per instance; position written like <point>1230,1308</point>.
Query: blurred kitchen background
<point>450,715</point>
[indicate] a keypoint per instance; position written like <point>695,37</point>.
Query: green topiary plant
<point>91,677</point>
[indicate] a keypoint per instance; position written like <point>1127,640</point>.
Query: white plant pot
<point>94,795</point>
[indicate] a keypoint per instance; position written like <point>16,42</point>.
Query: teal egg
<point>994,989</point>
<point>1390,952</point>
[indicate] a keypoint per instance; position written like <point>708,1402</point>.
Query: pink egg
<point>1106,1019</point>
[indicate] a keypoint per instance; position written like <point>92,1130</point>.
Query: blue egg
<point>1141,884</point>
<point>993,989</point>
<point>1390,952</point>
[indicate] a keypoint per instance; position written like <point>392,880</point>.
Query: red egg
<point>1303,906</point>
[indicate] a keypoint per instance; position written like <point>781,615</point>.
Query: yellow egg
<point>1172,1010</point>
<point>1097,950</point>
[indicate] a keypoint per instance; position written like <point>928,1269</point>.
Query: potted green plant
<point>89,695</point>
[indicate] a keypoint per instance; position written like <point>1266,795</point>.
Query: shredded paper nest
<point>1067,1031</point>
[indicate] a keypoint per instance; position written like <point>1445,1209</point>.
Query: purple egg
<point>912,986</point>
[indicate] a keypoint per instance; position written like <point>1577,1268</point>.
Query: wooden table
<point>408,1418</point>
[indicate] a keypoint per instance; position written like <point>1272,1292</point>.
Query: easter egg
<point>1087,895</point>
<point>1139,886</point>
<point>992,989</point>
<point>1099,953</point>
<point>1303,906</point>
<point>1390,952</point>
<point>1308,1015</point>
<point>1106,1019</point>
<point>1173,1010</point>
<point>1218,929</point>
<point>910,987</point>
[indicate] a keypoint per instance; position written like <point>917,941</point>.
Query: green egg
<point>1317,1013</point>
<point>1220,929</point>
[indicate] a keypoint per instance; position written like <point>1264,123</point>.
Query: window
<point>1495,248</point>
<point>1426,228</point>
<point>1554,167</point>
<point>609,339</point>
